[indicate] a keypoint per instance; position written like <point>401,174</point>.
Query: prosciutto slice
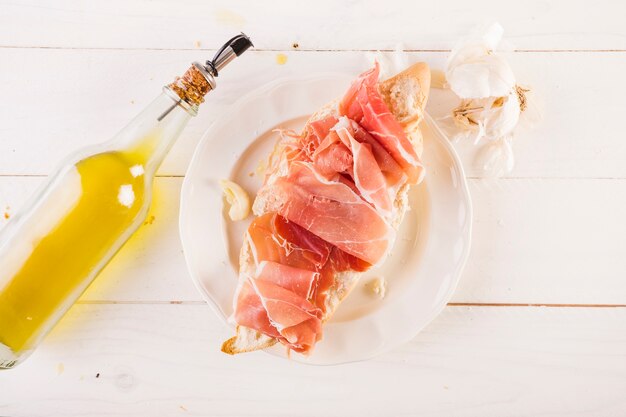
<point>303,266</point>
<point>364,104</point>
<point>332,156</point>
<point>250,312</point>
<point>299,281</point>
<point>394,175</point>
<point>367,175</point>
<point>272,238</point>
<point>330,210</point>
<point>315,132</point>
<point>279,313</point>
<point>275,302</point>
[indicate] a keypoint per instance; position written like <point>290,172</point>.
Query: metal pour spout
<point>229,51</point>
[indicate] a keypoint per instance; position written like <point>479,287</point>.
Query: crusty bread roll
<point>405,94</point>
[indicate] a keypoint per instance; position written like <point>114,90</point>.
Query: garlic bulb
<point>238,199</point>
<point>491,101</point>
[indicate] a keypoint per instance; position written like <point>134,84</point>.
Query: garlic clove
<point>495,159</point>
<point>475,71</point>
<point>503,119</point>
<point>238,199</point>
<point>486,76</point>
<point>491,118</point>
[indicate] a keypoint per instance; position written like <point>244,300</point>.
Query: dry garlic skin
<point>238,199</point>
<point>492,118</point>
<point>474,70</point>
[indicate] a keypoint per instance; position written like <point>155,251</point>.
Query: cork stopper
<point>195,83</point>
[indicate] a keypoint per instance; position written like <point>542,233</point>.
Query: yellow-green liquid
<point>66,259</point>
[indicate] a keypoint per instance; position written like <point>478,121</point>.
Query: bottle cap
<point>199,79</point>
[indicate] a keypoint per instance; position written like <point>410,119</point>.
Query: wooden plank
<point>324,24</point>
<point>534,241</point>
<point>83,97</point>
<point>164,360</point>
<point>545,241</point>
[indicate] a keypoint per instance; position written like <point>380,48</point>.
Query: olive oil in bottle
<point>54,248</point>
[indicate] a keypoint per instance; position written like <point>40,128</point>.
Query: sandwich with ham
<point>329,208</point>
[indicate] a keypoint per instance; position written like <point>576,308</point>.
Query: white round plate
<point>431,247</point>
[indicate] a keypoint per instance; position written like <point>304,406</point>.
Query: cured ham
<point>297,280</point>
<point>250,312</point>
<point>315,132</point>
<point>324,209</point>
<point>364,104</point>
<point>330,210</point>
<point>392,171</point>
<point>283,299</point>
<point>367,175</point>
<point>272,238</point>
<point>332,156</point>
<point>278,312</point>
<point>297,320</point>
<point>340,153</point>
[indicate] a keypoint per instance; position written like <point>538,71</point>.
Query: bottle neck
<point>150,135</point>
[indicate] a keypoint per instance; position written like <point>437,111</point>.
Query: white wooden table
<point>537,325</point>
